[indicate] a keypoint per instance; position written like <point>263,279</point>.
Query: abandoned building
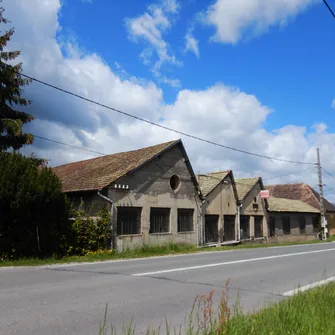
<point>292,220</point>
<point>152,192</point>
<point>308,195</point>
<point>218,207</point>
<point>252,209</point>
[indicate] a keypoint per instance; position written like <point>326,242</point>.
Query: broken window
<point>128,220</point>
<point>185,220</point>
<point>286,225</point>
<point>159,220</point>
<point>258,226</point>
<point>272,226</point>
<point>245,227</point>
<point>302,224</point>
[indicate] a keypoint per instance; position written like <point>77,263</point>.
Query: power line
<point>288,174</point>
<point>328,173</point>
<point>68,145</point>
<point>329,8</point>
<point>161,126</point>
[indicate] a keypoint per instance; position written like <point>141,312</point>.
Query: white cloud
<point>218,113</point>
<point>236,19</point>
<point>333,104</point>
<point>150,28</point>
<point>191,44</point>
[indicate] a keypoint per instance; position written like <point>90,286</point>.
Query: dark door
<point>229,228</point>
<point>272,226</point>
<point>211,228</point>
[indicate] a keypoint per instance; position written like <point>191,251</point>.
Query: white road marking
<point>308,287</point>
<point>231,262</point>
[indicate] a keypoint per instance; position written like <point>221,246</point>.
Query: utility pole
<point>322,208</point>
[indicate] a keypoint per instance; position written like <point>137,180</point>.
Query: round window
<point>174,182</point>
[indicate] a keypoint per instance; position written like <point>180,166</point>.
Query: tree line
<point>34,212</point>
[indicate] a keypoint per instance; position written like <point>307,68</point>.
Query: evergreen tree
<point>11,83</point>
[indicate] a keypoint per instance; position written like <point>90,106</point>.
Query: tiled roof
<point>244,186</point>
<point>288,205</point>
<point>207,182</point>
<point>97,173</point>
<point>301,192</point>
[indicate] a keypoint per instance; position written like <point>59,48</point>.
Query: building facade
<point>252,209</point>
<point>218,207</point>
<point>152,192</point>
<point>292,220</point>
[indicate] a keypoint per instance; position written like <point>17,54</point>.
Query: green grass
<point>142,252</point>
<point>308,313</point>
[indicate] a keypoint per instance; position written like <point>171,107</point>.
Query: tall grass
<point>308,313</point>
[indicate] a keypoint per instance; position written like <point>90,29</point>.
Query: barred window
<point>159,220</point>
<point>129,220</point>
<point>185,220</point>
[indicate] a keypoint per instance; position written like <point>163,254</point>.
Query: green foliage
<point>90,234</point>
<point>11,120</point>
<point>33,209</point>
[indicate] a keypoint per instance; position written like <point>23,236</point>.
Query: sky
<point>255,75</point>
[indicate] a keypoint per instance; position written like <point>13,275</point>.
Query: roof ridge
<point>117,153</point>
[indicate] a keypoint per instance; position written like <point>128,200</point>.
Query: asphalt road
<point>71,299</point>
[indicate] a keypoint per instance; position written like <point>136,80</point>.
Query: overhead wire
<point>162,126</point>
<point>329,8</point>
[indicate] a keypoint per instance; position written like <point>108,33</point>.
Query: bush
<point>33,210</point>
<point>90,234</point>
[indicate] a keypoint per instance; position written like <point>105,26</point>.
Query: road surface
<point>71,299</point>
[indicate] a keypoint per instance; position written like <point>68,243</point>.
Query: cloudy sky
<point>256,75</point>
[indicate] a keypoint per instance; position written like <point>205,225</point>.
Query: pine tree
<point>11,83</point>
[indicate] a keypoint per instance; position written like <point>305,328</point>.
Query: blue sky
<point>256,75</point>
<point>288,68</point>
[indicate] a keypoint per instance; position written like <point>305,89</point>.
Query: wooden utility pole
<point>322,208</point>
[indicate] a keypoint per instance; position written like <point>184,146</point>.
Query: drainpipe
<point>239,222</point>
<point>111,211</point>
<point>202,222</point>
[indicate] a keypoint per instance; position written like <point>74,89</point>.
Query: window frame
<point>165,217</point>
<point>191,210</point>
<point>138,212</point>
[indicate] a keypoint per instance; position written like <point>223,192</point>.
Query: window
<point>258,226</point>
<point>174,182</point>
<point>272,226</point>
<point>159,220</point>
<point>245,227</point>
<point>286,225</point>
<point>185,220</point>
<point>302,225</point>
<point>128,220</point>
<point>315,224</point>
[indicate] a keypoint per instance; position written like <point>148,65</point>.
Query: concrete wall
<point>221,201</point>
<point>295,234</point>
<point>247,209</point>
<point>150,187</point>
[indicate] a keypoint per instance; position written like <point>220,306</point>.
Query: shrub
<point>33,209</point>
<point>90,234</point>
